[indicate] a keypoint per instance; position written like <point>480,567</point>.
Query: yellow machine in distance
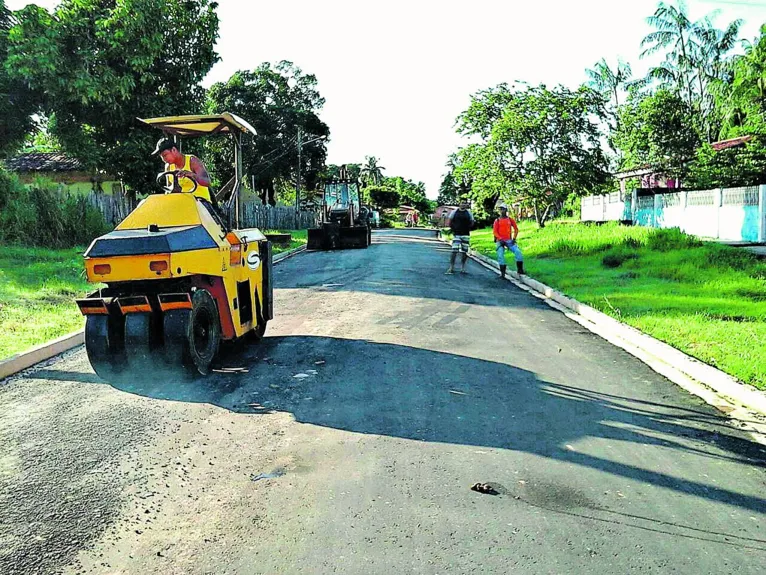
<point>179,278</point>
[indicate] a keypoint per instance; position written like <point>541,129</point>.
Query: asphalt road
<point>348,440</point>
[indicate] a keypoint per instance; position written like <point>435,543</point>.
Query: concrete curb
<point>736,399</point>
<point>21,361</point>
<point>44,351</point>
<point>288,254</point>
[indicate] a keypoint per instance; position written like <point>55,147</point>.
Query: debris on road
<point>455,392</point>
<point>485,488</point>
<point>320,362</point>
<point>301,375</point>
<point>273,475</point>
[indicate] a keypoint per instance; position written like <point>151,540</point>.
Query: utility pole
<point>298,181</point>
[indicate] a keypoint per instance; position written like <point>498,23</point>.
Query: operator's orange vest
<point>187,185</point>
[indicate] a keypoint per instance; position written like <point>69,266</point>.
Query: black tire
<point>175,327</point>
<point>256,334</point>
<point>104,345</point>
<point>204,337</point>
<point>192,337</point>
<point>139,340</point>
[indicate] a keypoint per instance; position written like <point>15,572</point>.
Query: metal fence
<point>701,198</point>
<point>747,196</point>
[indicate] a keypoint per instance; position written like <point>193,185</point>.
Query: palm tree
<point>741,97</point>
<point>371,172</point>
<point>712,65</point>
<point>673,30</point>
<point>605,80</point>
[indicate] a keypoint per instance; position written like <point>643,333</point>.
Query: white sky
<point>396,74</point>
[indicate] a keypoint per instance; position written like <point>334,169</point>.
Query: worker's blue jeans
<point>502,245</point>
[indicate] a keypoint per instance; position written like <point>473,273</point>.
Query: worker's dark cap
<point>162,145</point>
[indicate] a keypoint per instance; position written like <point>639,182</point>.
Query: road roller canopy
<point>201,125</point>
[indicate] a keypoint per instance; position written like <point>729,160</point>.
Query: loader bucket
<point>316,239</point>
<point>357,237</point>
<point>335,237</point>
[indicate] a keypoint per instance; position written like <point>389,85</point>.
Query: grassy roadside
<point>299,238</point>
<point>37,291</point>
<point>705,299</point>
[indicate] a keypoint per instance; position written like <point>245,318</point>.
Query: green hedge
<point>42,216</point>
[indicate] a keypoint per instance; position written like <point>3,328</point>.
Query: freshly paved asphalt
<point>411,386</point>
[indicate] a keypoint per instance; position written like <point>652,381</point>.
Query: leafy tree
<point>657,130</point>
<point>696,58</point>
<point>352,170</point>
<point>17,101</point>
<point>41,140</point>
<point>102,63</point>
<point>409,193</point>
<point>740,166</point>
<point>371,172</point>
<point>709,55</point>
<point>449,191</point>
<point>383,197</point>
<point>278,101</point>
<point>742,100</point>
<point>541,146</point>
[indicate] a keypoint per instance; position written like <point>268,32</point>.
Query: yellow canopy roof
<point>204,125</point>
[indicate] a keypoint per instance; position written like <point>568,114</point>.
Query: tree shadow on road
<point>418,394</point>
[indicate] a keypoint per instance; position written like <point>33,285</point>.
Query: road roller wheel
<point>104,344</point>
<point>255,335</point>
<point>192,337</point>
<point>175,327</point>
<point>139,340</point>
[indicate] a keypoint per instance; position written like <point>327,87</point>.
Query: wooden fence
<point>265,217</point>
<point>116,207</point>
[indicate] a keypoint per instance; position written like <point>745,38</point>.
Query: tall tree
<point>657,130</point>
<point>371,172</point>
<point>278,101</point>
<point>673,31</point>
<point>449,190</point>
<point>610,82</point>
<point>99,64</point>
<point>542,146</point>
<point>742,99</point>
<point>17,101</point>
<point>709,55</point>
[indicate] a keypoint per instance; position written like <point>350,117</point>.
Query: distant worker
<point>461,222</point>
<point>415,218</point>
<point>408,220</point>
<point>506,231</point>
<point>190,169</point>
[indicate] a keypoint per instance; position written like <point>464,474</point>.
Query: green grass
<point>299,238</point>
<point>37,292</point>
<point>705,299</point>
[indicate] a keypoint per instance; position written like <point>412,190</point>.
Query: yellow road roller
<point>180,275</point>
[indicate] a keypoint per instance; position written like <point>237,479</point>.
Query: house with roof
<point>67,172</point>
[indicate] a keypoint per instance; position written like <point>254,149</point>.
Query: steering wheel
<point>175,188</point>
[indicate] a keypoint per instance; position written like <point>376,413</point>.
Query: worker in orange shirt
<point>506,231</point>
